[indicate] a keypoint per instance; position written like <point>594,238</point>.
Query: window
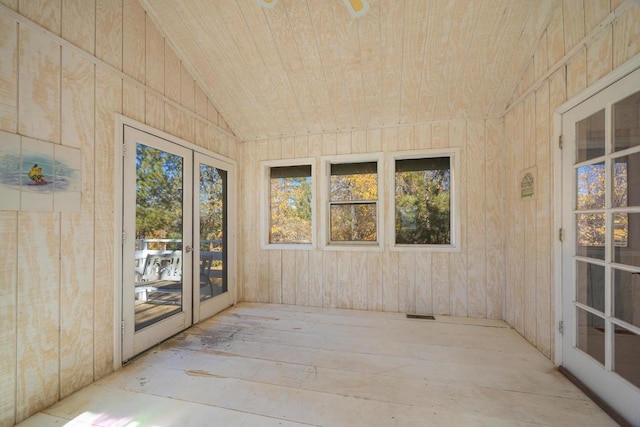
<point>353,202</point>
<point>423,200</point>
<point>289,215</point>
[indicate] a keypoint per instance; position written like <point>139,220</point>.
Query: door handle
<point>188,249</point>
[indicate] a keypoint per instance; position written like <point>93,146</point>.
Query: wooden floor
<point>263,365</point>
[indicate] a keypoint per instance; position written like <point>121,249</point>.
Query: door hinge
<point>561,327</point>
<point>560,234</point>
<point>124,150</point>
<point>122,328</point>
<point>560,142</point>
<point>124,237</point>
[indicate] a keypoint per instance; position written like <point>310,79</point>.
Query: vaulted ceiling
<point>308,66</point>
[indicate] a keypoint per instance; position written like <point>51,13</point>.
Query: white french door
<point>601,248</point>
<point>175,253</point>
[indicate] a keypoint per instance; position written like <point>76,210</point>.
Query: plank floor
<point>263,365</point>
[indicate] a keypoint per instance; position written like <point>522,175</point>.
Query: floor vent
<point>420,316</point>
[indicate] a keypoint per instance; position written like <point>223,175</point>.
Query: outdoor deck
<point>260,364</point>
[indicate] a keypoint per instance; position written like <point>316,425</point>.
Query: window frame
<point>265,203</point>
<point>454,155</point>
<point>325,181</point>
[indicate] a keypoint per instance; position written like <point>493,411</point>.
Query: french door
<point>601,248</point>
<point>175,239</point>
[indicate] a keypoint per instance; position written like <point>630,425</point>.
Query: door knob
<point>188,249</point>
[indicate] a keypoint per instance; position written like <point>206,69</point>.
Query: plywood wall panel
<point>423,288</point>
<point>109,32</point>
<point>78,99</point>
<point>626,35</point>
<point>577,74</point>
<point>314,145</point>
<point>172,67</point>
<point>171,119</point>
<point>133,101</point>
<point>315,279</point>
<point>359,141</point>
<point>595,11</point>
<point>187,126</point>
<point>38,286</point>
<point>329,279</point>
<point>301,146</point>
<point>154,58</point>
<point>275,276</point>
<point>390,277</point>
<point>406,138</point>
<point>108,102</point>
<point>201,101</point>
<point>375,285</point>
<point>187,87</point>
<point>359,280</point>
<point>329,144</point>
<point>599,57</point>
<point>406,283</point>
<point>8,316</point>
<point>344,284</point>
<point>46,13</point>
<point>476,219</point>
<point>39,86</point>
<point>76,304</point>
<point>8,74</point>
<point>555,37</point>
<point>541,57</point>
<point>288,277</point>
<point>495,223</point>
<point>573,14</point>
<point>250,249</point>
<point>517,265</point>
<point>301,280</point>
<point>343,143</point>
<point>133,40</point>
<point>11,4</point>
<point>458,260</point>
<point>288,148</point>
<point>440,283</point>
<point>79,23</point>
<point>154,111</point>
<point>544,249</point>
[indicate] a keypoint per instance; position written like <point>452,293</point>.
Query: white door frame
<point>608,386</point>
<point>620,72</point>
<point>119,122</point>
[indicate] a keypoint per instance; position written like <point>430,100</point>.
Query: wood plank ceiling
<point>309,66</point>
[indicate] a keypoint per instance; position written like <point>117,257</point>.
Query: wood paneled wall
<point>584,41</point>
<point>67,67</point>
<point>465,283</point>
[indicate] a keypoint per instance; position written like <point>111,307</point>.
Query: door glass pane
<point>590,193</point>
<point>590,337</point>
<point>626,233</point>
<point>590,285</point>
<point>213,232</point>
<point>590,235</point>
<point>626,296</point>
<point>159,218</point>
<point>627,355</point>
<point>626,181</point>
<point>590,134</point>
<point>626,122</point>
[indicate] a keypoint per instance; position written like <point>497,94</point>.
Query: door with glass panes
<point>175,256</point>
<point>601,248</point>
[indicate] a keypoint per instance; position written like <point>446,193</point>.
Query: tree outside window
<point>423,201</point>
<point>353,202</point>
<point>290,208</point>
